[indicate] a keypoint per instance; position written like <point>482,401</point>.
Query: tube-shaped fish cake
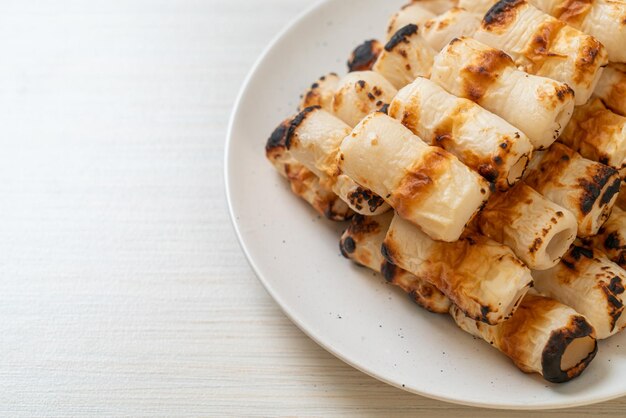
<point>612,88</point>
<point>589,282</point>
<point>362,242</point>
<point>321,93</point>
<point>426,185</point>
<point>602,19</point>
<point>543,45</point>
<point>482,277</point>
<point>454,23</point>
<point>539,106</point>
<point>313,138</point>
<point>481,140</point>
<point>586,188</point>
<point>406,56</point>
<point>538,231</point>
<point>365,55</point>
<point>597,134</point>
<point>359,93</point>
<point>611,238</point>
<point>303,182</point>
<point>410,14</point>
<point>543,336</point>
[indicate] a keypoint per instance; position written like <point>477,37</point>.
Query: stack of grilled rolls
<point>477,155</point>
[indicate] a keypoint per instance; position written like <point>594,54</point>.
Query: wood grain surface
<point>124,291</point>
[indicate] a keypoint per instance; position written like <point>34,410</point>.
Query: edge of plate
<point>233,116</point>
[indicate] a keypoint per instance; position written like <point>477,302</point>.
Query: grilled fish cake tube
<point>611,238</point>
<point>481,140</point>
<point>454,23</point>
<point>612,88</point>
<point>359,93</point>
<point>589,282</point>
<point>304,182</point>
<point>597,134</point>
<point>602,19</point>
<point>482,277</point>
<point>543,45</point>
<point>586,188</point>
<point>321,93</point>
<point>426,185</point>
<point>406,56</point>
<point>543,336</point>
<point>539,106</point>
<point>362,242</point>
<point>313,139</point>
<point>538,231</point>
<point>410,14</point>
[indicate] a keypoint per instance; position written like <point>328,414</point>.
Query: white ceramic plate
<point>348,310</point>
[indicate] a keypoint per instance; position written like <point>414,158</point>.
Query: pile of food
<point>478,155</point>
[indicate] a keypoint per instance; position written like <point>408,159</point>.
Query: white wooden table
<point>123,289</point>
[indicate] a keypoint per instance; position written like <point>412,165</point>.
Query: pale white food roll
<point>586,188</point>
<point>304,183</point>
<point>482,277</point>
<point>612,88</point>
<point>406,56</point>
<point>359,93</point>
<point>538,231</point>
<point>426,185</point>
<point>597,134</point>
<point>603,19</point>
<point>539,106</point>
<point>362,242</point>
<point>454,23</point>
<point>543,336</point>
<point>486,143</point>
<point>543,45</point>
<point>413,13</point>
<point>321,93</point>
<point>589,282</point>
<point>313,138</point>
<point>611,238</point>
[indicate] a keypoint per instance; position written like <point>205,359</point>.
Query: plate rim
<point>236,109</point>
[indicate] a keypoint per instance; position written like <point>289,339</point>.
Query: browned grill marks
<point>478,76</point>
<point>501,13</point>
<point>296,122</point>
<point>572,11</point>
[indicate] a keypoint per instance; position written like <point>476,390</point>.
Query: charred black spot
<point>555,348</point>
<point>315,85</point>
<point>384,109</point>
<point>593,188</point>
<point>278,137</point>
<point>484,312</point>
<point>388,270</point>
<point>612,241</point>
<point>401,36</point>
<point>568,264</point>
<point>361,83</point>
<point>616,286</point>
<point>611,191</point>
<point>386,252</point>
<point>371,96</point>
<point>498,160</point>
<point>504,145</point>
<point>348,246</point>
<point>296,122</point>
<point>364,56</point>
<point>498,10</point>
<point>535,245</point>
<point>577,252</point>
<point>489,172</point>
<point>361,195</point>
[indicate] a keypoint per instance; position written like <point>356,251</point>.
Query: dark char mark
<point>401,36</point>
<point>364,56</point>
<point>296,122</point>
<point>558,343</point>
<point>497,11</point>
